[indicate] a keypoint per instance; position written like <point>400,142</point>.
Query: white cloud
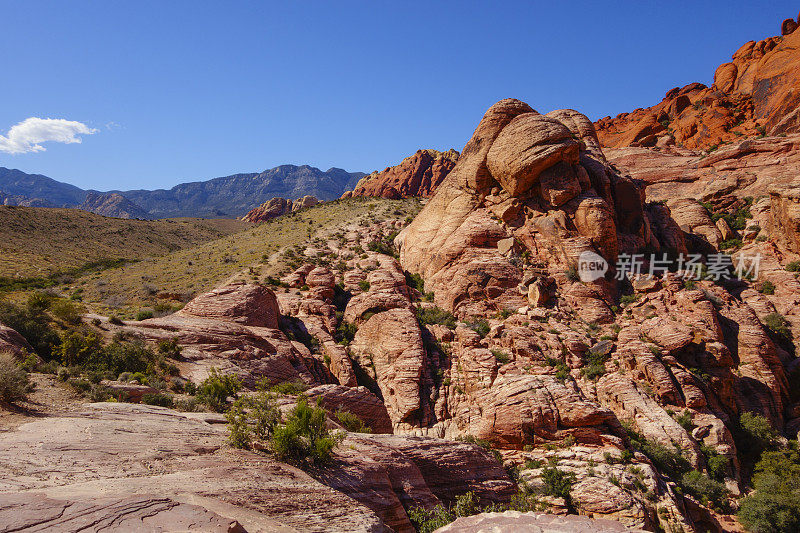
<point>28,134</point>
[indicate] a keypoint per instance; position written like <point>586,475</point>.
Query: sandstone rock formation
<point>417,175</point>
<point>126,466</point>
<point>517,522</point>
<point>277,207</point>
<point>757,92</point>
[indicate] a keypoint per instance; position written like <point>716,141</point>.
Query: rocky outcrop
<point>756,93</point>
<point>515,521</point>
<point>236,329</point>
<point>13,342</point>
<point>417,175</point>
<point>112,205</point>
<point>277,207</point>
<point>530,178</point>
<point>269,210</point>
<point>90,467</point>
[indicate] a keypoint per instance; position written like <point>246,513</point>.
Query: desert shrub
<point>481,327</point>
<point>169,348</point>
<point>774,506</point>
<point>793,266</point>
<point>66,311</point>
<point>144,314</point>
<point>705,489</point>
<point>572,274</point>
<point>717,464</point>
<point>668,460</point>
<point>384,244</point>
<point>31,322</point>
<point>557,482</point>
<point>13,379</point>
<point>345,332</point>
<point>124,356</point>
<point>216,388</point>
<point>596,365</point>
<point>363,285</point>
<point>292,388</point>
<point>501,356</point>
<point>303,438</point>
<point>685,420</point>
<point>77,349</point>
<point>163,400</point>
<point>351,422</point>
<point>415,281</point>
<point>429,520</point>
<point>768,287</point>
<point>252,417</point>
<point>435,315</point>
<point>628,299</point>
<point>778,325</point>
<point>113,319</point>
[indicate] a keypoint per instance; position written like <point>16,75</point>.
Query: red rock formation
<point>277,207</point>
<point>416,175</point>
<point>758,92</point>
<point>269,210</point>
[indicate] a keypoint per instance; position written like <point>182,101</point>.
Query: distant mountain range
<point>225,197</point>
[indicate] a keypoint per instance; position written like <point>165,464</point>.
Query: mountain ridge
<point>222,197</point>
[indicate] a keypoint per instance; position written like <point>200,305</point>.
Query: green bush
<point>363,285</point>
<point>754,434</point>
<point>501,357</point>
<point>705,489</point>
<point>351,422</point>
<point>144,314</point>
<point>252,417</point>
<point>429,520</point>
<point>685,420</point>
<point>163,400</point>
<point>774,506</point>
<point>668,460</point>
<point>169,348</point>
<point>481,327</point>
<point>435,315</point>
<point>291,388</point>
<point>216,388</point>
<point>778,325</point>
<point>304,439</point>
<point>794,266</point>
<point>557,482</point>
<point>415,281</point>
<point>345,332</point>
<point>596,367</point>
<point>113,319</point>
<point>66,311</point>
<point>31,322</point>
<point>13,380</point>
<point>768,287</point>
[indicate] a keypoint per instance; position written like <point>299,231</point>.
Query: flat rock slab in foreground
<point>516,522</point>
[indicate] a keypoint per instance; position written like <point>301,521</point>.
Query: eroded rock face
<point>235,328</point>
<point>523,176</point>
<point>417,175</point>
<point>269,210</point>
<point>250,305</point>
<point>11,341</point>
<point>756,92</point>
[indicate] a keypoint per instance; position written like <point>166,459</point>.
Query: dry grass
<point>37,242</point>
<point>194,270</point>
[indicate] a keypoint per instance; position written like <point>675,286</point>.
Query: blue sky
<point>189,90</point>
